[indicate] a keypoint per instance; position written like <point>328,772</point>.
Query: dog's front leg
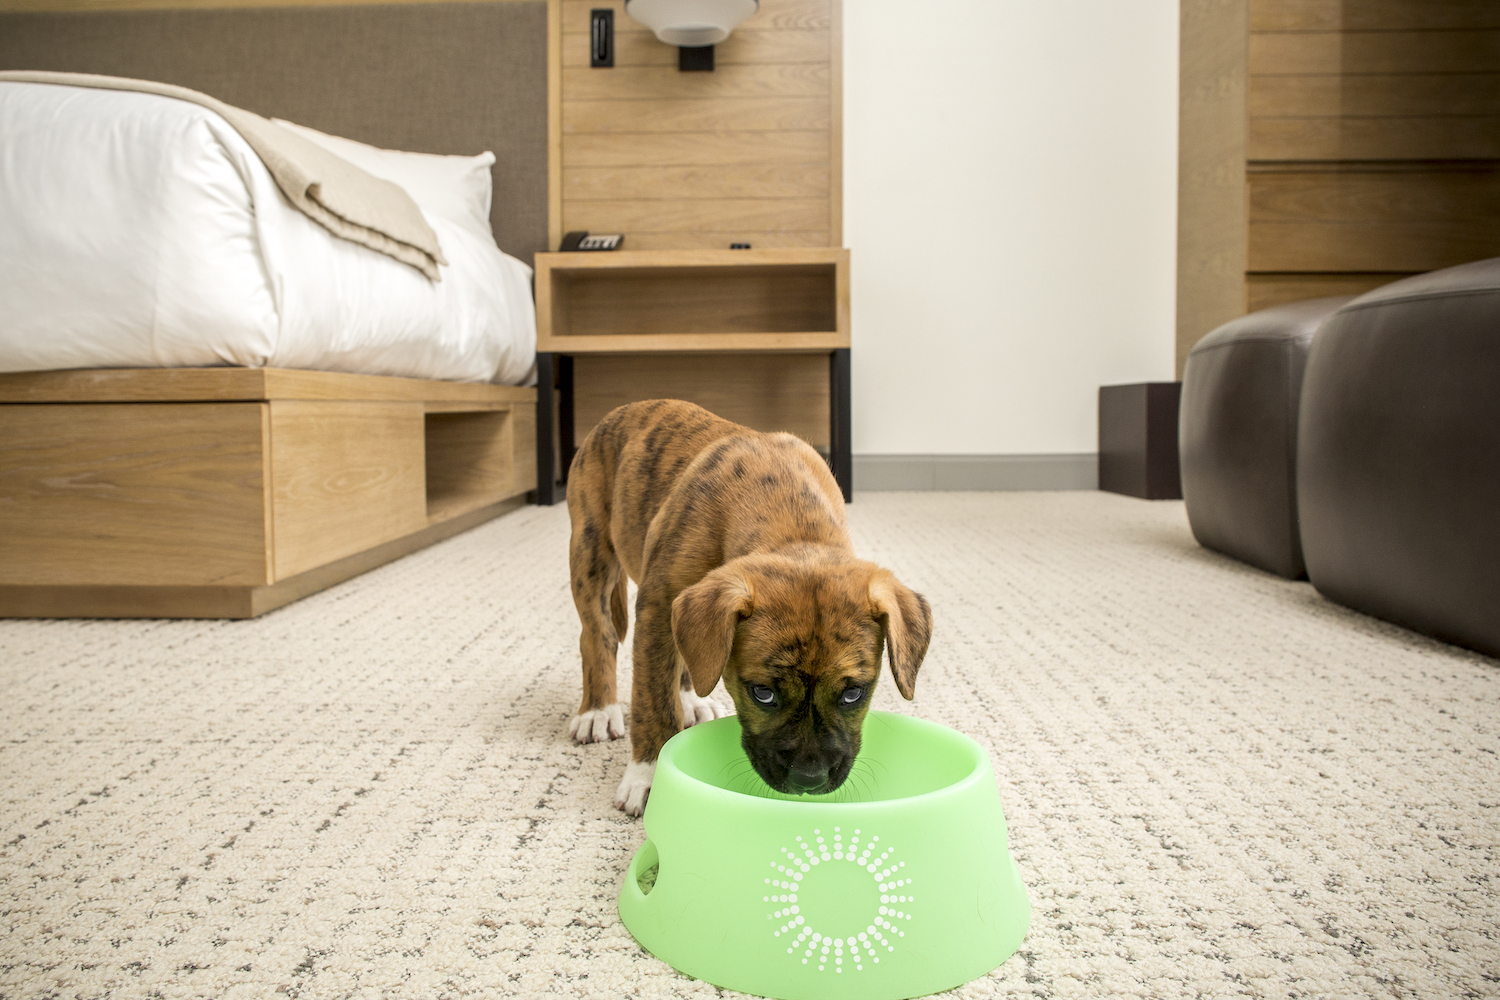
<point>655,705</point>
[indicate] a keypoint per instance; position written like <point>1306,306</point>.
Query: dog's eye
<point>763,695</point>
<point>851,696</point>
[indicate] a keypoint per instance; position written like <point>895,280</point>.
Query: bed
<point>238,408</point>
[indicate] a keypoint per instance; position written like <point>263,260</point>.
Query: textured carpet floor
<point>1217,782</point>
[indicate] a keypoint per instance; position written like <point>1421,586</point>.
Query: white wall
<point>1010,173</point>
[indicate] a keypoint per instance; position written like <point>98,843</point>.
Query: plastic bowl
<point>898,884</point>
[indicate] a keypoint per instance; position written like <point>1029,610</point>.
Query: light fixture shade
<point>691,22</point>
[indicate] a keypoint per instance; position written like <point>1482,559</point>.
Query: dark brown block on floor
<point>1138,440</point>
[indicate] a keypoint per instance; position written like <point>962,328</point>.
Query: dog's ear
<point>703,620</point>
<point>907,620</point>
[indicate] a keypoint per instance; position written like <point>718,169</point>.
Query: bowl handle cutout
<point>645,869</point>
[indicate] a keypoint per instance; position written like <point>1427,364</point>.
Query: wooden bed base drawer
<point>200,504</point>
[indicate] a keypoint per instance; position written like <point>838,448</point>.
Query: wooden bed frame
<point>226,492</point>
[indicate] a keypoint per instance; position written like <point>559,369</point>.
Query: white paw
<point>598,725</point>
<point>696,709</point>
<point>635,786</point>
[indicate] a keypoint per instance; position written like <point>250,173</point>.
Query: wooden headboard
<point>429,77</point>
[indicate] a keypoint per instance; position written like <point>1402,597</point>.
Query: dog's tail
<point>617,610</point>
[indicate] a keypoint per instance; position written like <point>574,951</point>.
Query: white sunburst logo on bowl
<point>807,862</point>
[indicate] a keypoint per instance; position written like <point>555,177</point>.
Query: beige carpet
<point>1217,782</point>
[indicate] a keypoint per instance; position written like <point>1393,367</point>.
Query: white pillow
<point>458,188</point>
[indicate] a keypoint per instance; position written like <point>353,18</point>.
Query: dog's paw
<point>696,709</point>
<point>598,725</point>
<point>630,797</point>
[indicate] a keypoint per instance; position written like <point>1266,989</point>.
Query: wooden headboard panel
<point>430,77</point>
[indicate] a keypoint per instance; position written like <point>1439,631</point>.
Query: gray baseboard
<point>976,472</point>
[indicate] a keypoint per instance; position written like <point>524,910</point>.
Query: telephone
<point>583,241</point>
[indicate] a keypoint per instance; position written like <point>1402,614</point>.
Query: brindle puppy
<point>739,549</point>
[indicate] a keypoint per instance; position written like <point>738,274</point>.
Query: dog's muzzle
<point>807,779</point>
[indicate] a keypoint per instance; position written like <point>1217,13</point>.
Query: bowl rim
<point>982,766</point>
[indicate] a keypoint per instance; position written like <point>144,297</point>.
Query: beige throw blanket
<point>334,193</point>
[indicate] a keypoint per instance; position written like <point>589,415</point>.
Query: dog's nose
<point>807,778</point>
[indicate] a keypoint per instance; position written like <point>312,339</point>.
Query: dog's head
<point>798,646</point>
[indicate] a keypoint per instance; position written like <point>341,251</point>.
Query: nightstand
<point>723,326</point>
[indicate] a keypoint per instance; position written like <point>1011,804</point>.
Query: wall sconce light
<point>694,26</point>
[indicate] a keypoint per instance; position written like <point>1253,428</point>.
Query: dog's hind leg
<point>598,585</point>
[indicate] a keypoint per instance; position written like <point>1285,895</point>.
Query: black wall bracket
<point>601,37</point>
<point>695,58</point>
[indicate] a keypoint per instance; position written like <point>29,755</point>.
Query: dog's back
<point>641,454</point>
<point>627,465</point>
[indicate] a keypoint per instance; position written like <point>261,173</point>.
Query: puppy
<point>738,546</point>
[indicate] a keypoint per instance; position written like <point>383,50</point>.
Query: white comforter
<point>139,231</point>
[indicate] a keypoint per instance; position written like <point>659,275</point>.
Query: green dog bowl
<point>898,884</point>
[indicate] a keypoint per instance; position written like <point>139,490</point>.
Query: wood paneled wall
<point>747,153</point>
<point>1210,168</point>
<point>1371,145</point>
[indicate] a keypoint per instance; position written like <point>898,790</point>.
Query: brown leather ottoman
<point>1398,455</point>
<point>1237,434</point>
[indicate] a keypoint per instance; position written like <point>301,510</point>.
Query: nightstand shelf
<point>688,302</point>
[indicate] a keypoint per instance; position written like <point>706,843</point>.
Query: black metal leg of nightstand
<point>567,444</point>
<point>840,422</point>
<point>546,441</point>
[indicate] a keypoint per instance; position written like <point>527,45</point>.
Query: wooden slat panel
<point>1404,221</point>
<point>132,385</point>
<point>640,48</point>
<point>614,261</point>
<point>1381,96</point>
<point>797,15</point>
<point>632,83</point>
<point>1372,15</point>
<point>555,143</point>
<point>836,104</point>
<point>707,343</point>
<point>769,392</point>
<point>1368,246</point>
<point>764,114</point>
<point>674,149</point>
<point>345,477</point>
<point>716,240</point>
<point>289,383</point>
<point>1454,196</point>
<point>1371,144</point>
<point>808,180</point>
<point>108,494</point>
<point>1476,138</point>
<point>1267,290</point>
<point>672,160</point>
<point>697,215</point>
<point>1349,52</point>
